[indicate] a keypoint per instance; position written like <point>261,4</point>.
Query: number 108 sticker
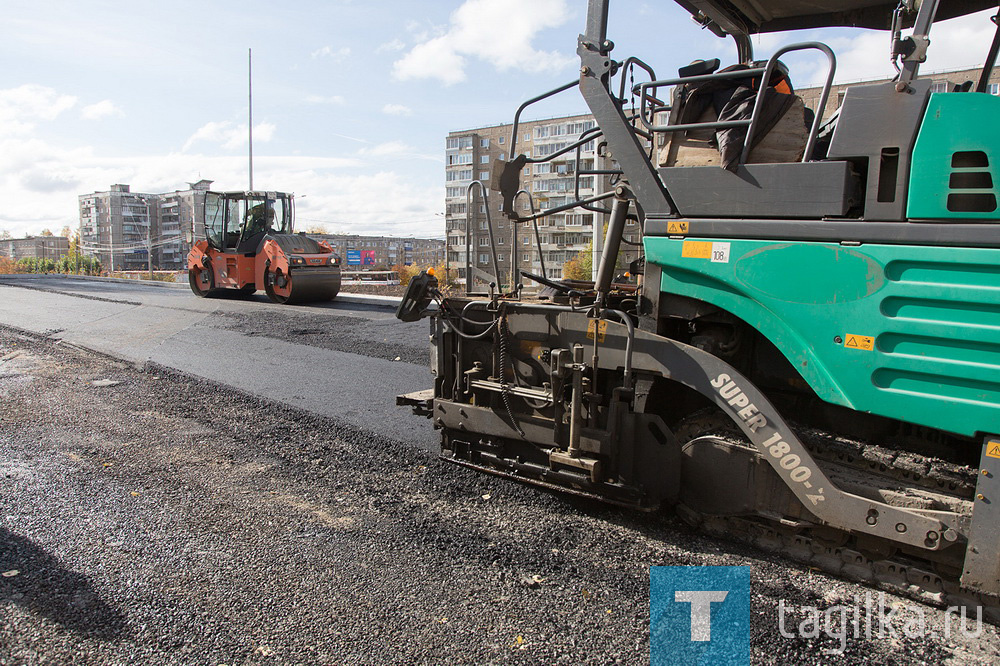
<point>720,253</point>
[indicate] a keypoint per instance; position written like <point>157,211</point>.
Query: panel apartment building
<point>470,154</point>
<point>35,247</point>
<point>119,226</point>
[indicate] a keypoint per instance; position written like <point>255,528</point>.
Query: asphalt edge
<point>347,297</point>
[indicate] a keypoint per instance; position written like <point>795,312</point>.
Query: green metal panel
<point>956,160</point>
<point>931,316</point>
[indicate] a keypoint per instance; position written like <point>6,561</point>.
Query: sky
<point>352,99</point>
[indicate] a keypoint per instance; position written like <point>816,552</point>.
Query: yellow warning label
<point>697,250</point>
<point>863,342</point>
<point>677,227</point>
<point>993,448</point>
<point>598,325</point>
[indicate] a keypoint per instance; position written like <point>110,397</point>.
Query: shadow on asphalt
<point>46,587</point>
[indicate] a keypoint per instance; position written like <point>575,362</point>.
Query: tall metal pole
<point>149,241</point>
<point>250,109</point>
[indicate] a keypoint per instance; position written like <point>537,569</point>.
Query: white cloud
<point>329,52</point>
<point>22,107</point>
<point>864,55</point>
<point>230,135</point>
<point>397,150</point>
<point>397,110</point>
<point>473,32</point>
<point>101,109</point>
<point>335,100</point>
<point>393,45</point>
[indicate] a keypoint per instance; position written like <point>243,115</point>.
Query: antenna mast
<point>250,109</point>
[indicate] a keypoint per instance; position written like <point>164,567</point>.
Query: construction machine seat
<point>781,137</point>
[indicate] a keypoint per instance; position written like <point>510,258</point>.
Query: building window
<point>483,241</point>
<point>939,87</point>
<point>500,240</point>
<point>484,159</point>
<point>993,88</point>
<point>500,140</point>
<point>527,171</point>
<point>483,258</point>
<point>459,174</point>
<point>501,257</point>
<point>484,175</point>
<point>484,143</point>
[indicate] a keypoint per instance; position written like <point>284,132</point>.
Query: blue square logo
<point>699,615</point>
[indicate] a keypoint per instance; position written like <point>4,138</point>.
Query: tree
<point>7,266</point>
<point>74,255</point>
<point>580,266</point>
<point>66,231</point>
<point>4,234</point>
<point>406,273</point>
<point>316,229</point>
<point>46,232</point>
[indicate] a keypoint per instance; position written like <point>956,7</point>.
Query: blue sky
<point>352,99</point>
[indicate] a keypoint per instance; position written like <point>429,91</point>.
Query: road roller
<point>250,244</point>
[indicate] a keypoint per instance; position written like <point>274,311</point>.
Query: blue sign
<point>699,615</point>
<point>354,257</point>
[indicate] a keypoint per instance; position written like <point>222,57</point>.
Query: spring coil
<point>505,364</point>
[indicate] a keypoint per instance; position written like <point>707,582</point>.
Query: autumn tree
<point>46,233</point>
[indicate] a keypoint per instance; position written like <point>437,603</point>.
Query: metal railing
<point>646,98</point>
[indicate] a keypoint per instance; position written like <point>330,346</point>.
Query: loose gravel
<point>153,518</point>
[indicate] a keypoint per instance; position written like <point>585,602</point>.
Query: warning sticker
<point>717,252</point>
<point>863,342</point>
<point>993,448</point>
<point>599,326</point>
<point>677,227</point>
<point>696,250</point>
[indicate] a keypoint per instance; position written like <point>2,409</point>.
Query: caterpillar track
<point>862,468</point>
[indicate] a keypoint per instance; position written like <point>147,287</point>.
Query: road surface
<point>336,359</point>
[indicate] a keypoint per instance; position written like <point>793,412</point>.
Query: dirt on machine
<point>250,245</point>
<point>808,359</point>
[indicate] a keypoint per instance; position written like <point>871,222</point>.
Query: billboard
<point>367,257</point>
<point>354,257</point>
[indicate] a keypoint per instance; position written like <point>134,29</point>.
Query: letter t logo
<point>701,610</point>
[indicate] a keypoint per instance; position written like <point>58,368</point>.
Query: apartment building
<point>476,154</point>
<point>35,247</point>
<point>121,227</point>
<point>383,252</point>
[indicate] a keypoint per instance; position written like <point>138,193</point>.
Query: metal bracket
<point>982,561</point>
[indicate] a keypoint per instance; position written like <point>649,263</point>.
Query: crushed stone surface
<point>154,518</point>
